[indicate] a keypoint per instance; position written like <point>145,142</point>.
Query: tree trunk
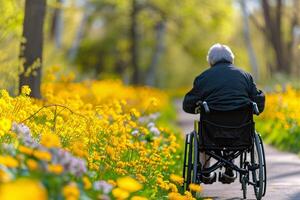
<point>251,54</point>
<point>294,37</point>
<point>134,44</point>
<point>80,31</point>
<point>32,46</point>
<point>57,24</point>
<point>274,35</point>
<point>158,50</point>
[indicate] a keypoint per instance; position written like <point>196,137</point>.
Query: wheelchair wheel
<point>264,166</point>
<point>259,173</point>
<point>190,160</point>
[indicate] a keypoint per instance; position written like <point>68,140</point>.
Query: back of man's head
<point>219,52</point>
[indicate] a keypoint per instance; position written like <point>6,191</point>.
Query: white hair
<point>219,52</point>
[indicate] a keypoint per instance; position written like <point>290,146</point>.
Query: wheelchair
<point>225,136</point>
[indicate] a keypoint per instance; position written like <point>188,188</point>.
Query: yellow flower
<point>24,189</point>
<point>128,184</point>
<point>87,183</point>
<point>42,155</point>
<point>99,118</point>
<point>141,178</point>
<point>50,140</point>
<point>173,187</point>
<point>175,196</point>
<point>176,179</point>
<point>112,182</point>
<point>110,150</point>
<point>4,177</point>
<point>71,191</point>
<point>25,150</point>
<point>120,193</point>
<point>78,149</point>
<point>55,168</point>
<point>9,161</point>
<point>32,164</point>
<point>25,90</point>
<point>195,187</point>
<point>188,195</point>
<point>135,113</point>
<point>5,125</point>
<point>138,198</point>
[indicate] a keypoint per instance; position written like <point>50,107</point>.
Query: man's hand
<point>198,107</point>
<point>260,99</point>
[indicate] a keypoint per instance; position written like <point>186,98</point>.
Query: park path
<point>283,171</point>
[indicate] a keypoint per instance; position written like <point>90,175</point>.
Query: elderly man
<point>224,87</point>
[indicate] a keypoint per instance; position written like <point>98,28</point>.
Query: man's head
<point>219,52</point>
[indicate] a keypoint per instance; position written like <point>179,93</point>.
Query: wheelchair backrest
<point>226,130</point>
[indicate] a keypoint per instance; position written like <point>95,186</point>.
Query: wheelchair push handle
<point>255,108</point>
<point>205,106</point>
<point>207,110</point>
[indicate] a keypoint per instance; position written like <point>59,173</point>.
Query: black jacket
<point>224,87</point>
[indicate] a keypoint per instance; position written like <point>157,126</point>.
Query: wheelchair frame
<point>251,169</point>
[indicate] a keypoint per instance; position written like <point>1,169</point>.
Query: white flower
<point>154,116</point>
<point>143,119</point>
<point>155,131</point>
<point>135,132</point>
<point>102,185</point>
<point>23,133</point>
<point>151,124</point>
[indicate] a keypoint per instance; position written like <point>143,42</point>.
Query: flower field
<point>280,122</point>
<point>90,140</point>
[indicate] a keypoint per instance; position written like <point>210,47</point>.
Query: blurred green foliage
<point>98,31</point>
<point>192,27</point>
<point>10,36</point>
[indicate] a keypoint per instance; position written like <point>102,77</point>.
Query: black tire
<point>190,160</point>
<point>195,158</point>
<point>264,166</point>
<point>259,174</point>
<point>185,164</point>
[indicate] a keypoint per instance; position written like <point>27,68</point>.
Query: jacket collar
<point>223,61</point>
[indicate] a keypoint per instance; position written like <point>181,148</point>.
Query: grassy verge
<point>280,122</point>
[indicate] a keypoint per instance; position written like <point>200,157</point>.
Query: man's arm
<point>191,99</point>
<point>257,95</point>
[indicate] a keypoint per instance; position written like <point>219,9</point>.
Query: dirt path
<point>283,172</point>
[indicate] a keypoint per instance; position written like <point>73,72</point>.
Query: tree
<point>32,46</point>
<point>157,42</point>
<point>160,28</point>
<point>57,24</point>
<point>252,58</point>
<point>87,11</point>
<point>280,41</point>
<point>134,43</point>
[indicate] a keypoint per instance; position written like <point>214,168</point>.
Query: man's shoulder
<point>216,70</point>
<point>206,72</point>
<point>240,70</point>
<point>203,74</point>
